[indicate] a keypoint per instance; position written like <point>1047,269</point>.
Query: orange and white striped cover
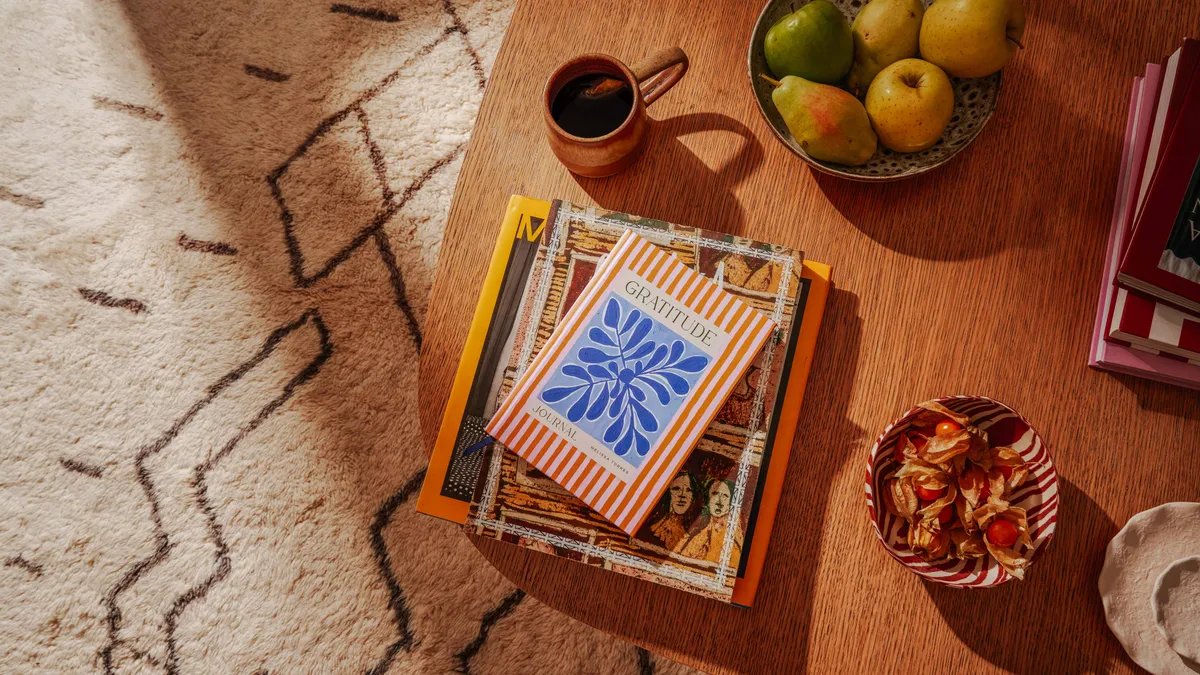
<point>681,346</point>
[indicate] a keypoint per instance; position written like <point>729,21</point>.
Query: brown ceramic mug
<point>613,152</point>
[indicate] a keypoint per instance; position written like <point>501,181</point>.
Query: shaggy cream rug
<point>218,226</point>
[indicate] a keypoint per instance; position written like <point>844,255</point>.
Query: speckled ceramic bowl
<point>974,102</point>
<point>1038,495</point>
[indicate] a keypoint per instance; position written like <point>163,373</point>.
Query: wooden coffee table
<point>980,277</point>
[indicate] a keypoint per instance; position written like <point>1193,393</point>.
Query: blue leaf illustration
<point>678,385</point>
<point>676,350</point>
<point>576,372</point>
<point>659,355</point>
<point>664,396</point>
<point>576,411</point>
<point>618,402</point>
<point>612,313</point>
<point>597,408</point>
<point>622,445</point>
<point>640,332</point>
<point>616,367</point>
<point>593,355</point>
<point>646,418</point>
<point>600,337</point>
<point>630,320</point>
<point>643,445</point>
<point>692,364</point>
<point>556,394</point>
<point>642,350</point>
<point>613,432</point>
<point>599,372</point>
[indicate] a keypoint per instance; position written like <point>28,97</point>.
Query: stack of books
<point>1148,318</point>
<point>628,396</point>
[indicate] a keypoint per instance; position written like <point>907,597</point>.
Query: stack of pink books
<point>1148,317</point>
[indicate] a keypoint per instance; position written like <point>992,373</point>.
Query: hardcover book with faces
<point>630,379</point>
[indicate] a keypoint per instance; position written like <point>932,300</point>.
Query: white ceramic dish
<point>1148,543</point>
<point>1177,607</point>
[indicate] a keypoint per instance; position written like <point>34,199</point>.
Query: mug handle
<point>669,65</point>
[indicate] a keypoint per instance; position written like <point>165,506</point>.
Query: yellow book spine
<point>746,587</point>
<point>518,223</point>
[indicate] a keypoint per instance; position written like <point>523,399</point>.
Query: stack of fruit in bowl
<point>897,56</point>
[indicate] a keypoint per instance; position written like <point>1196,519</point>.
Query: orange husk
<point>943,448</point>
<point>932,413</point>
<point>907,449</point>
<point>900,497</point>
<point>957,465</point>
<point>967,545</point>
<point>1008,559</point>
<point>966,514</point>
<point>984,514</point>
<point>971,483</point>
<point>978,452</point>
<point>997,486</point>
<point>1001,511</point>
<point>1017,516</point>
<point>928,541</point>
<point>935,507</point>
<point>924,474</point>
<point>1011,458</point>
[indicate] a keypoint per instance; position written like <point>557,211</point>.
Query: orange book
<point>727,488</point>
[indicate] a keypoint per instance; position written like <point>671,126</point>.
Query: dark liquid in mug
<point>580,113</point>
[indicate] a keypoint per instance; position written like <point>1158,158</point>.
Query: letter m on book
<point>530,227</point>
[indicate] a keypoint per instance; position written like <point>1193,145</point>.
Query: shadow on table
<point>774,635</point>
<point>826,441</point>
<point>1053,621</point>
<point>1159,397</point>
<point>1036,162</point>
<point>670,182</point>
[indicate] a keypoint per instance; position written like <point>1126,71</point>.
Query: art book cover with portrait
<point>629,380</point>
<point>729,487</point>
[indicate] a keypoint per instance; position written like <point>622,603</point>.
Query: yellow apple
<point>910,103</point>
<point>972,38</point>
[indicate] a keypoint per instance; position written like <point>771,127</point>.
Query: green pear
<point>812,42</point>
<point>884,32</point>
<point>828,123</point>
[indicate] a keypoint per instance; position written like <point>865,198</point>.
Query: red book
<point>1163,259</point>
<point>1107,353</point>
<point>1176,73</point>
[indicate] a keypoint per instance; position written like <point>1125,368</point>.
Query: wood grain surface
<point>980,277</point>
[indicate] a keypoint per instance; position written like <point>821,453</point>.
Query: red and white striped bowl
<point>1038,496</point>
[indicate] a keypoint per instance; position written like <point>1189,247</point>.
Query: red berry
<point>946,514</point>
<point>1002,533</point>
<point>930,495</point>
<point>946,427</point>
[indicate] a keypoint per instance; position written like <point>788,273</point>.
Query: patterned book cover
<point>617,397</point>
<point>697,535</point>
<point>1155,326</point>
